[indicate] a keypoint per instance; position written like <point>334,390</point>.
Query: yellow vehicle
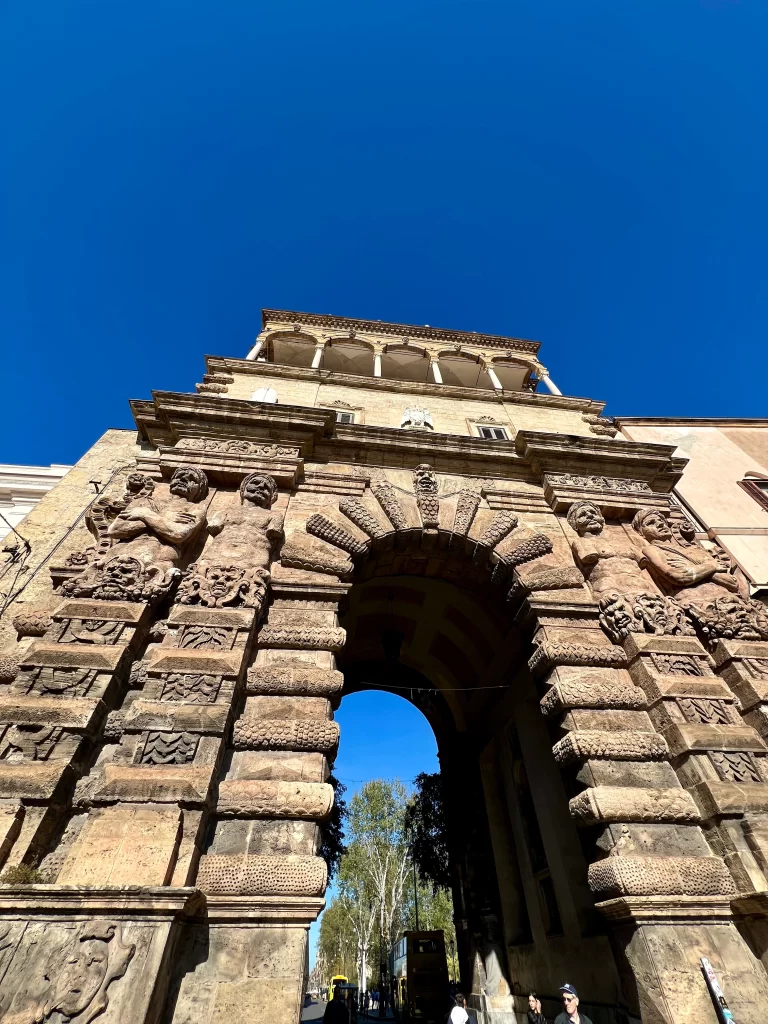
<point>337,979</point>
<point>420,978</point>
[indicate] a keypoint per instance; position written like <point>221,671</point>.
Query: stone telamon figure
<point>677,564</point>
<point>146,541</point>
<point>606,569</point>
<point>234,568</point>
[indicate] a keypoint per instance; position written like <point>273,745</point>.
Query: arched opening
<point>405,362</point>
<point>463,370</point>
<point>513,375</point>
<point>344,355</point>
<point>290,348</point>
<point>523,914</point>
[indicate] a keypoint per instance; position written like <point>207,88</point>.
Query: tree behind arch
<point>426,830</point>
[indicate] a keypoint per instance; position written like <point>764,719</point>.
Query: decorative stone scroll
<point>586,745</point>
<point>295,679</point>
<point>324,638</point>
<point>146,541</point>
<point>288,875</point>
<point>605,804</point>
<point>660,876</point>
<point>316,734</point>
<point>549,653</point>
<point>605,426</point>
<point>310,801</point>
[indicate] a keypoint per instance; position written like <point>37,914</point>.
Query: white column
<point>318,356</point>
<point>377,364</point>
<point>549,385</point>
<point>494,379</point>
<point>256,349</point>
<point>437,377</point>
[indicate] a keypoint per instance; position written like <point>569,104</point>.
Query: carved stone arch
<point>302,339</point>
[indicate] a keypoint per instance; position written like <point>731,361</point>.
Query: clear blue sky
<point>592,175</point>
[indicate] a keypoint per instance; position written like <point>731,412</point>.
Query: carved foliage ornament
<point>235,447</point>
<point>599,483</point>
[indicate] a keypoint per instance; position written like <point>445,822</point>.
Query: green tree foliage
<point>426,831</point>
<point>332,832</point>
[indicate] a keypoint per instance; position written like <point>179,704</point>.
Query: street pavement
<point>314,1011</point>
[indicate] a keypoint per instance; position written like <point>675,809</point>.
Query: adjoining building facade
<point>725,484</point>
<point>362,504</point>
<point>21,488</point>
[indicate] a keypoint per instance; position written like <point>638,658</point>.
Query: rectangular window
<point>493,433</point>
<point>345,417</point>
<point>757,487</point>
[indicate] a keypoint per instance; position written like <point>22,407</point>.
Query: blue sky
<point>588,175</point>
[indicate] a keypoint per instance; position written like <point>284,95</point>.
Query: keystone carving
<point>289,875</point>
<point>233,571</point>
<point>315,734</point>
<point>660,876</point>
<point>605,804</point>
<point>425,488</point>
<point>77,976</point>
<point>146,541</point>
<point>584,745</point>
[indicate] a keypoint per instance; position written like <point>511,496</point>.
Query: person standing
<point>458,1014</point>
<point>336,1012</point>
<point>570,1014</point>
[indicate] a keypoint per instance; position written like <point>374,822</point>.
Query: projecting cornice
<point>231,437</point>
<point>343,323</point>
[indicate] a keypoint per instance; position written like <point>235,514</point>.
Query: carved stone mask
<point>189,482</point>
<point>258,489</point>
<point>585,518</point>
<point>83,976</point>
<point>122,571</point>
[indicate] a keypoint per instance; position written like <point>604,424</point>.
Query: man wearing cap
<point>570,1014</point>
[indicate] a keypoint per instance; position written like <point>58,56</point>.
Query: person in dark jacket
<point>535,1016</point>
<point>336,1012</point>
<point>570,1014</point>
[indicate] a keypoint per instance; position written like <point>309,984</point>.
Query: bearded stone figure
<point>146,542</point>
<point>75,980</point>
<point>233,571</point>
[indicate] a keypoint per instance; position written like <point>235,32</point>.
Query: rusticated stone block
<point>617,746</point>
<point>262,876</point>
<point>106,657</point>
<point>287,707</point>
<point>286,765</point>
<point>210,719</point>
<point>660,876</point>
<point>286,734</point>
<point>687,737</point>
<point>294,678</point>
<point>67,712</point>
<point>275,799</point>
<point>34,781</point>
<point>596,694</point>
<point>327,638</point>
<point>154,783</point>
<point>730,799</point>
<point>625,803</point>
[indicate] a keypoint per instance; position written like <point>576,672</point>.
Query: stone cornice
<point>219,364</point>
<point>655,464</point>
<point>691,421</point>
<point>342,323</point>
